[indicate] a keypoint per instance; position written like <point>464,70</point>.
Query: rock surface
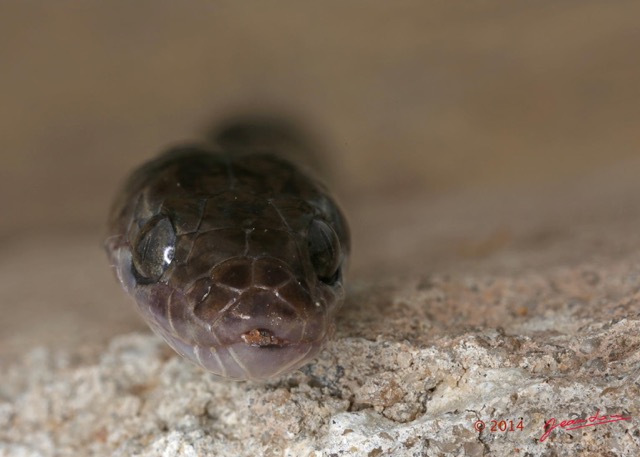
<point>517,328</point>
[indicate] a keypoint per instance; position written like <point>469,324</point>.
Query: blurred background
<point>421,108</point>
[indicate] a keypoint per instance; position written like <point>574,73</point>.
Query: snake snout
<point>264,333</point>
<point>273,325</point>
<point>261,303</point>
<point>266,318</point>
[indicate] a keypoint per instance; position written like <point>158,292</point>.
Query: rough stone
<point>432,357</point>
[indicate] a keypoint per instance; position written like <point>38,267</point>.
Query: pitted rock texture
<point>416,363</point>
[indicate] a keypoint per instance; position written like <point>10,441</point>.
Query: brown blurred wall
<point>432,95</point>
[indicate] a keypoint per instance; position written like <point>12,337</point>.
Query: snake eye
<point>154,248</point>
<point>324,251</point>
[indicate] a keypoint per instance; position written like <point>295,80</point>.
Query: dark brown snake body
<point>236,260</point>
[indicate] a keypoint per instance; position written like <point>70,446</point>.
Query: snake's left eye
<point>324,251</point>
<point>154,248</point>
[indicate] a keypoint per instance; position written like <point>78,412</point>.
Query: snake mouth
<point>241,361</point>
<point>255,357</point>
<point>244,362</point>
<point>258,363</point>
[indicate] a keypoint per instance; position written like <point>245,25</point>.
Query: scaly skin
<point>235,260</point>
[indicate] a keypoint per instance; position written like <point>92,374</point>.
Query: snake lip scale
<point>235,259</point>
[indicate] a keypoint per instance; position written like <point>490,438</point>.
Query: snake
<point>235,256</point>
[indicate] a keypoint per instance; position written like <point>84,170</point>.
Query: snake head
<point>236,262</point>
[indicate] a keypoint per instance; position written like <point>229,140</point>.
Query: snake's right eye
<point>324,251</point>
<point>154,248</point>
